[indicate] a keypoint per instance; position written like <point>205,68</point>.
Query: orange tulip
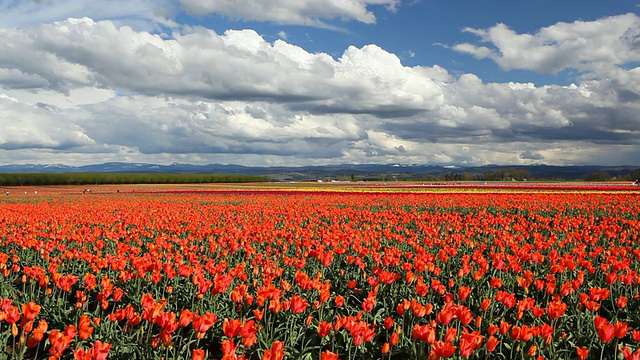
<point>231,327</point>
<point>328,355</point>
<point>198,354</point>
<point>100,350</point>
<point>491,343</point>
<point>275,353</point>
<point>30,310</point>
<point>202,323</point>
<point>84,327</point>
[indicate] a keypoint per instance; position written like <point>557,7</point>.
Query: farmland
<point>264,271</point>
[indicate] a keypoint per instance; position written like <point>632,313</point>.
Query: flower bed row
<point>320,276</point>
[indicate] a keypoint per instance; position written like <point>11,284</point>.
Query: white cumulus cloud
<point>300,12</point>
<point>78,89</point>
<point>582,45</point>
<point>239,64</point>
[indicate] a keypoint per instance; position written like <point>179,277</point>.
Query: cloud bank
<point>82,90</point>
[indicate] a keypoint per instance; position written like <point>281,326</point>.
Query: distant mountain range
<point>345,171</point>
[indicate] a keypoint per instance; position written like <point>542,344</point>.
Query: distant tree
<point>493,175</point>
<point>598,176</point>
<point>633,175</point>
<point>520,175</point>
<point>13,179</point>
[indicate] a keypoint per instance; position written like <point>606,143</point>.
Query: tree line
<point>605,176</point>
<point>18,179</point>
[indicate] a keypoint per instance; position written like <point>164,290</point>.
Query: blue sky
<point>308,82</point>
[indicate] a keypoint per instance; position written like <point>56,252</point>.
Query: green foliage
<point>598,176</point>
<point>17,179</point>
<point>506,175</point>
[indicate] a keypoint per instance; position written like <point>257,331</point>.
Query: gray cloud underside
<point>112,91</point>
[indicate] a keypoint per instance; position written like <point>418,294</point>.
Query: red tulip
<point>231,327</point>
<point>298,304</point>
<point>275,353</point>
<point>606,332</point>
<point>491,343</point>
<point>582,353</point>
<point>328,355</point>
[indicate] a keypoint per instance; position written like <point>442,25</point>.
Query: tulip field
<point>318,272</point>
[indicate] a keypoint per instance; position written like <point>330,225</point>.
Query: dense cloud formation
<point>82,91</point>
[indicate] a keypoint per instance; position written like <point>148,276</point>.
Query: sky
<point>317,82</point>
